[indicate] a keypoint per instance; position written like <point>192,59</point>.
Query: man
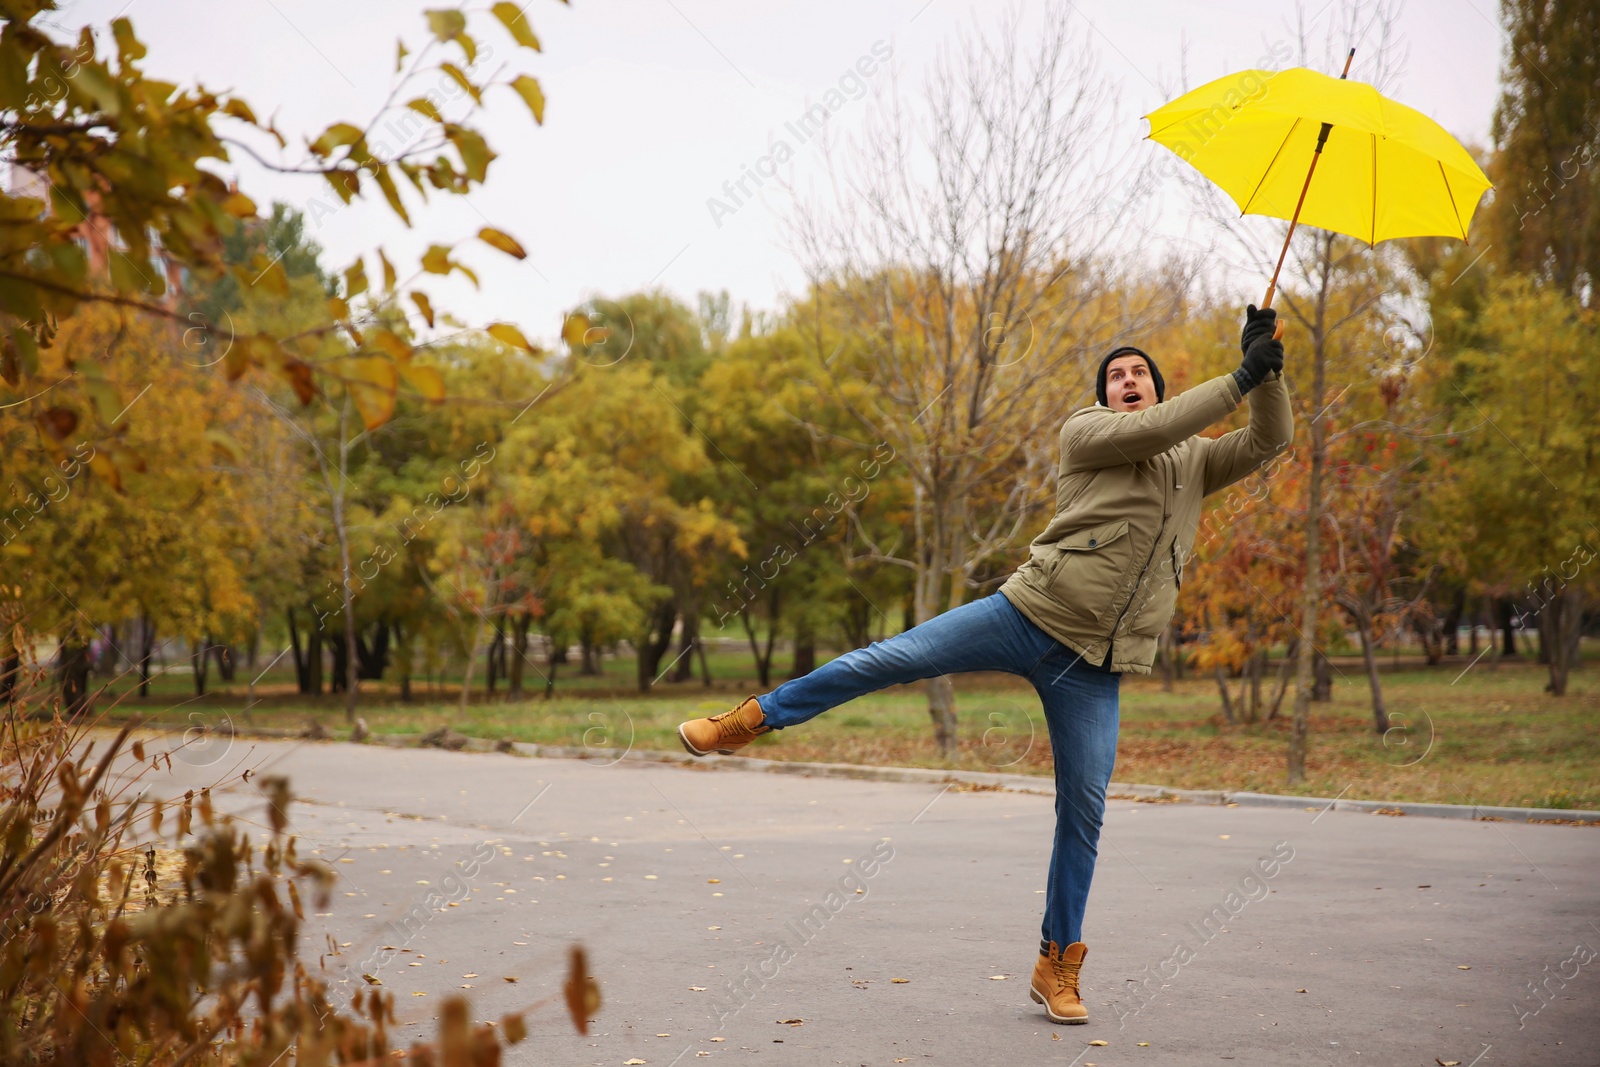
<point>1086,607</point>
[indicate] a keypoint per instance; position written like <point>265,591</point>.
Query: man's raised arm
<point>1100,437</point>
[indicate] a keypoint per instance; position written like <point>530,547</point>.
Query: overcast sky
<point>654,104</point>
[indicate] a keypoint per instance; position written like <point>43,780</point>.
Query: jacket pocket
<point>1090,567</point>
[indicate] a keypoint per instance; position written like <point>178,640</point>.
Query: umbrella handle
<point>1266,302</point>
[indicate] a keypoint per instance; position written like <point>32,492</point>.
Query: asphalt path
<point>733,914</point>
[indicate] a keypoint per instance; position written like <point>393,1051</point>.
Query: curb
<point>979,780</point>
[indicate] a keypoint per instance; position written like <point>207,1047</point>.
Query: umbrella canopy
<point>1386,170</point>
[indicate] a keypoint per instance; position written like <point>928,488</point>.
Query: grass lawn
<point>1489,736</point>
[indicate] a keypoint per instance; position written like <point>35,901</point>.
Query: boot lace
<point>1066,972</point>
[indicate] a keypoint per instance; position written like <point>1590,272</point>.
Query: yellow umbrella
<point>1387,170</point>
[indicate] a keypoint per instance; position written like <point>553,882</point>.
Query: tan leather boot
<point>724,733</point>
<point>1055,983</point>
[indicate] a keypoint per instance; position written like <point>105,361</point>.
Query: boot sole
<point>1038,998</point>
<point>696,752</point>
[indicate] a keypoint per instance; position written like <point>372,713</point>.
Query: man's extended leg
<point>985,635</point>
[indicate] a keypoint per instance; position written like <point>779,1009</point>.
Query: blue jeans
<point>1080,707</point>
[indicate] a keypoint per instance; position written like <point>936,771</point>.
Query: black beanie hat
<point>1128,350</point>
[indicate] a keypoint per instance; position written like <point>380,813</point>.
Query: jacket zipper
<point>1166,513</point>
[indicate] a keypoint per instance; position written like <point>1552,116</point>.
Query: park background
<point>258,484</point>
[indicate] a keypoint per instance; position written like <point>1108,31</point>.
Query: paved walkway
<point>733,915</point>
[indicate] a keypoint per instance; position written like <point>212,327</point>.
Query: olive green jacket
<point>1107,569</point>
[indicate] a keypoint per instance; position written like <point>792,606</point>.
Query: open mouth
<point>1130,398</point>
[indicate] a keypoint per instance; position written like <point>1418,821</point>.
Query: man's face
<point>1129,386</point>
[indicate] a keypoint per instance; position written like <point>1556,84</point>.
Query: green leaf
<point>385,182</point>
<point>503,241</point>
<point>340,133</point>
<point>475,151</point>
<point>454,72</point>
<point>510,16</point>
<point>508,334</point>
<point>388,271</point>
<point>400,53</point>
<point>422,105</point>
<point>446,24</point>
<point>129,48</point>
<point>355,280</point>
<point>239,110</point>
<point>527,87</point>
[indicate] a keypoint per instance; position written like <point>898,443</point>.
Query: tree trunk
<point>1503,607</point>
<point>556,656</point>
<point>589,663</point>
<point>805,649</point>
<point>472,661</point>
<point>519,653</point>
<point>314,662</point>
<point>1227,696</point>
<point>1311,592</point>
<point>225,662</point>
<point>302,665</point>
<point>73,672</point>
<point>762,656</point>
<point>654,644</point>
<point>496,646</point>
<point>199,656</point>
<point>1165,649</point>
<point>1291,657</point>
<point>402,646</point>
<point>942,710</point>
<point>147,640</point>
<point>686,646</point>
<point>1452,624</point>
<point>1322,689</point>
<point>1380,716</point>
<point>1258,665</point>
<point>1565,628</point>
<point>705,668</point>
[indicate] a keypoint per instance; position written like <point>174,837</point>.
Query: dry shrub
<point>97,969</point>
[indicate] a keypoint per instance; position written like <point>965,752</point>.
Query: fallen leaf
<point>1446,1063</point>
<point>719,1039</point>
<point>1055,1037</point>
<point>697,989</point>
<point>1144,1044</point>
<point>713,881</point>
<point>1099,1042</point>
<point>997,978</point>
<point>632,1063</point>
<point>472,975</point>
<point>899,981</point>
<point>790,1022</point>
<point>510,979</point>
<point>1462,967</point>
<point>371,979</point>
<point>419,994</point>
<point>663,1035</point>
<point>1300,990</point>
<point>713,928</point>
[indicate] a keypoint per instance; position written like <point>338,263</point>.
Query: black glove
<point>1264,357</point>
<point>1256,324</point>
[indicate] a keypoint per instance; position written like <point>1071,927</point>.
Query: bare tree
<point>961,268</point>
